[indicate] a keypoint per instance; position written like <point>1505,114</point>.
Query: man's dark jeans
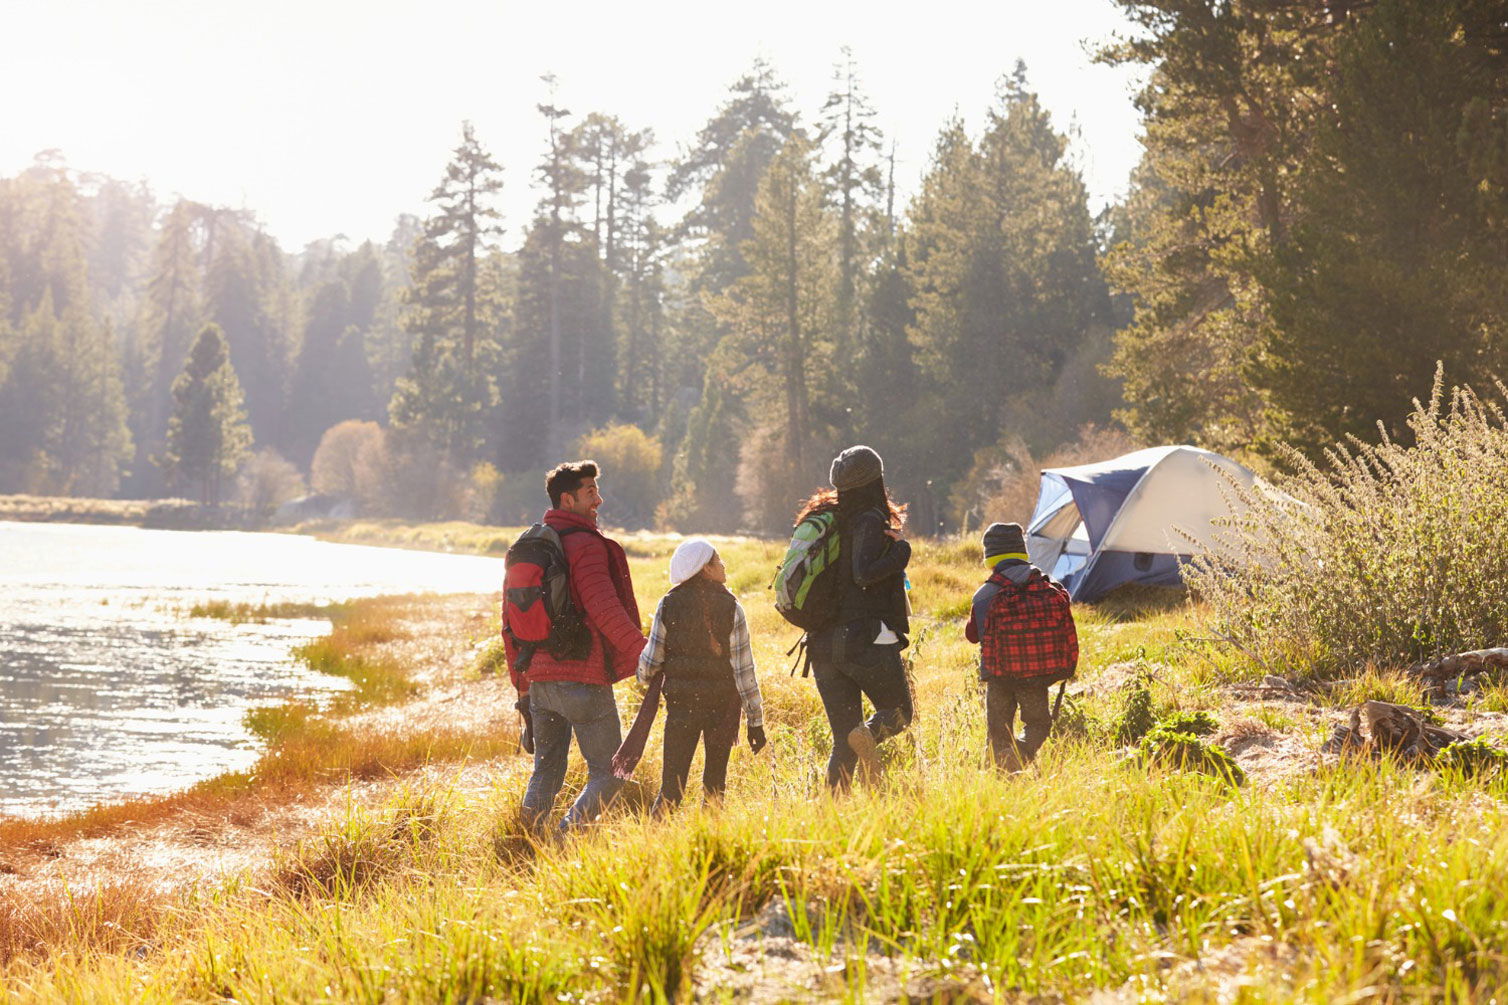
<point>1002,697</point>
<point>875,672</point>
<point>591,712</point>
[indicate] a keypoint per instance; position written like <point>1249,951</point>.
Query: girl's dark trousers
<point>693,716</point>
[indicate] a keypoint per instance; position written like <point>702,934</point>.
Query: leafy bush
<point>1137,717</point>
<point>1193,723</point>
<point>1387,554</point>
<point>630,461</point>
<point>351,461</point>
<point>1473,758</point>
<point>1073,720</point>
<point>266,481</point>
<point>1004,478</point>
<point>1169,748</point>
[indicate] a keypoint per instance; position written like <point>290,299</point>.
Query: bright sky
<point>327,117</point>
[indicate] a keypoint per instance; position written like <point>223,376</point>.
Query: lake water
<point>109,690</point>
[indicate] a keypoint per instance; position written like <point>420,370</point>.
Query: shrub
<point>1386,554</point>
<point>630,461</point>
<point>351,461</point>
<point>1004,479</point>
<point>1193,723</point>
<point>1073,720</point>
<point>417,481</point>
<point>1473,758</point>
<point>1136,718</point>
<point>266,481</point>
<point>1168,748</point>
<point>483,487</point>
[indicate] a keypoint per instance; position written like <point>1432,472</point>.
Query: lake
<point>108,689</point>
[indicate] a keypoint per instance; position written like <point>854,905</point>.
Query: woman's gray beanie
<point>854,467</point>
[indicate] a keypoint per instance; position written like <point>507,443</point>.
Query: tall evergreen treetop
<point>208,434</point>
<point>462,232</point>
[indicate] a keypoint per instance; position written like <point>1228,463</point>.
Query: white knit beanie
<point>689,559</point>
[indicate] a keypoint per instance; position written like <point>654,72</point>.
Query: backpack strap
<point>804,657</point>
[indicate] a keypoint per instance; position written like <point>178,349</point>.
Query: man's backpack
<point>538,611</point>
<point>806,584</point>
<point>1029,630</point>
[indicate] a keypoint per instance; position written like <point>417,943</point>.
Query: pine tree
<point>1001,252</point>
<point>643,245</point>
<point>781,313</point>
<point>171,312</point>
<point>89,437</point>
<point>207,434</point>
<point>331,381</point>
<point>61,397</point>
<point>246,294</point>
<point>564,183</point>
<point>1228,112</point>
<point>730,156</point>
<point>1400,226</point>
<point>454,314</point>
<point>853,176</point>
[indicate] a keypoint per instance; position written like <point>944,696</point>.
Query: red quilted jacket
<point>604,593</point>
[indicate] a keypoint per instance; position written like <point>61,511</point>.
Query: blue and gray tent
<point>1131,519</point>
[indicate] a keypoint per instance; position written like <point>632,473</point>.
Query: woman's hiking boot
<point>861,741</point>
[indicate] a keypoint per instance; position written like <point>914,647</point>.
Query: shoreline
<point>309,748</point>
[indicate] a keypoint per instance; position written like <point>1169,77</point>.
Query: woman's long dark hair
<point>852,502</point>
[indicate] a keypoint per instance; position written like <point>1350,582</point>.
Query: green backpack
<point>806,584</point>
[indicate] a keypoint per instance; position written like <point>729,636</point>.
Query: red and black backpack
<point>538,611</point>
<point>1029,630</point>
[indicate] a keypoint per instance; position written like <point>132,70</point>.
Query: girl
<point>700,642</point>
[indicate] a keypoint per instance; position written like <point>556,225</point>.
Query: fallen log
<point>1391,729</point>
<point>1458,672</point>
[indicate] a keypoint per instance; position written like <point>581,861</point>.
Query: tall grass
<point>1093,871</point>
<point>1387,554</point>
<point>1087,874</point>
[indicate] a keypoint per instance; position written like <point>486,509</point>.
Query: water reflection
<point>107,690</point>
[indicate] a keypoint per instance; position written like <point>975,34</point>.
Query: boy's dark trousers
<point>1003,696</point>
<point>688,719</point>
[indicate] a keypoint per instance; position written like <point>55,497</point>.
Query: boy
<point>1022,622</point>
<point>700,642</point>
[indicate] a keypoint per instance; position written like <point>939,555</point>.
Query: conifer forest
<point>1319,217</point>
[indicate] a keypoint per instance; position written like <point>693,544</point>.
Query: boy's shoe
<point>861,742</point>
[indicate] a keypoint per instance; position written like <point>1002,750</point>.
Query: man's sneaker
<point>861,742</point>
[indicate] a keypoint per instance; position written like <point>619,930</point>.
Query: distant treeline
<point>1320,215</point>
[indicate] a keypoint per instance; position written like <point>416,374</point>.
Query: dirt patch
<point>762,962</point>
<point>1118,676</point>
<point>1270,757</point>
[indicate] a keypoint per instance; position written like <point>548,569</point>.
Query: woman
<point>858,655</point>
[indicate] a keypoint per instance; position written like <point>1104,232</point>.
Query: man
<point>565,695</point>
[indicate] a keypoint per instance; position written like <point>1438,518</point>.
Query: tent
<point>1099,526</point>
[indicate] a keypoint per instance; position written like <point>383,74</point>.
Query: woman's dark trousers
<point>689,720</point>
<point>873,672</point>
